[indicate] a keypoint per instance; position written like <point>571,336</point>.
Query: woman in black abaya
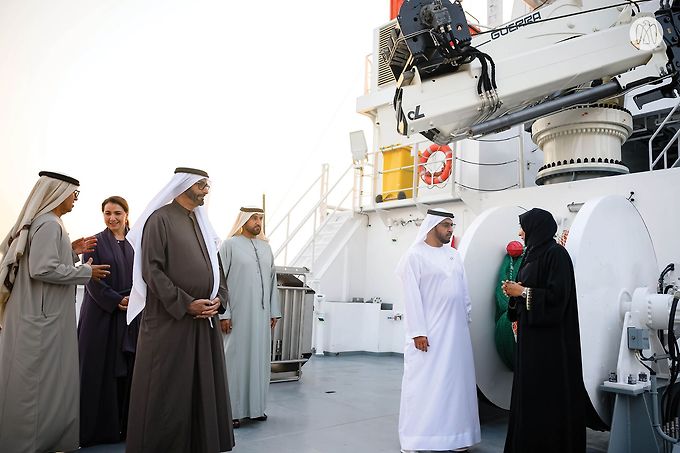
<point>550,407</point>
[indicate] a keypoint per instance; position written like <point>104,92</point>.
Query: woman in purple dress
<point>106,343</point>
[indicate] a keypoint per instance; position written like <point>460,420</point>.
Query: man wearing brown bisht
<point>179,400</point>
<point>38,346</point>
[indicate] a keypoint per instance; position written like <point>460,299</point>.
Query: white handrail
<point>664,153</point>
<point>295,205</point>
<point>309,214</point>
<point>312,240</point>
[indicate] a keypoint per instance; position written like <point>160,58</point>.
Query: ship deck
<point>347,403</point>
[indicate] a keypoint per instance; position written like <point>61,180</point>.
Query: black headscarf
<point>539,231</point>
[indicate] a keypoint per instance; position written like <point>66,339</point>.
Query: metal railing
<point>415,187</point>
<point>292,336</point>
<point>314,219</point>
<point>289,232</point>
<point>376,174</point>
<point>286,218</point>
<point>674,140</point>
<point>313,240</point>
<point>368,73</point>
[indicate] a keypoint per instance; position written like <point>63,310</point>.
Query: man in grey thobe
<point>252,313</point>
<point>39,391</point>
<point>179,400</point>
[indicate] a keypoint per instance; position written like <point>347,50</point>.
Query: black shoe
<point>236,424</point>
<point>262,418</point>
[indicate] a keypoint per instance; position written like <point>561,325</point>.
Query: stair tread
<point>324,238</point>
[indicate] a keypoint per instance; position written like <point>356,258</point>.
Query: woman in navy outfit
<point>106,343</point>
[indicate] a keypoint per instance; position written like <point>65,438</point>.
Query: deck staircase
<point>315,238</point>
<point>668,156</point>
<point>320,251</point>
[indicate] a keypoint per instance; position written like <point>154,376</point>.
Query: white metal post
<point>414,181</point>
<point>520,156</point>
<point>314,242</point>
<point>323,206</point>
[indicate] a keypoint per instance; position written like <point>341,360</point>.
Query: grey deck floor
<point>347,404</point>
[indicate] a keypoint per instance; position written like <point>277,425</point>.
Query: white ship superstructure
<point>614,200</point>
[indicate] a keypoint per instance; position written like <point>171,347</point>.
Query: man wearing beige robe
<point>253,311</point>
<point>38,346</point>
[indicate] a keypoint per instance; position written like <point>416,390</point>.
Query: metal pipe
<point>285,347</point>
<point>301,317</point>
<point>520,158</point>
<point>294,326</point>
<point>290,297</point>
<point>291,344</point>
<point>324,192</point>
<point>414,179</point>
<point>675,164</point>
<point>314,242</point>
<point>376,156</point>
<point>583,97</point>
<point>357,187</point>
<point>664,153</point>
<point>281,326</point>
<point>655,413</point>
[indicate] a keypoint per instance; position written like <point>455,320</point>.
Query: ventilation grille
<point>385,37</point>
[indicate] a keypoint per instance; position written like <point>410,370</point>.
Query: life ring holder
<point>440,176</point>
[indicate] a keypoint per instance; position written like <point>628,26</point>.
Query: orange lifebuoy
<point>440,176</point>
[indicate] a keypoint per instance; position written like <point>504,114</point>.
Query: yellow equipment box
<point>397,178</point>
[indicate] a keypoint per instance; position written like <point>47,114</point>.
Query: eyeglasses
<point>203,184</point>
<point>75,194</point>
